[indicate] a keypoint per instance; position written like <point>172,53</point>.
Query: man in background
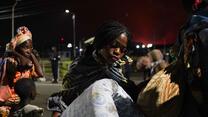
<point>54,58</point>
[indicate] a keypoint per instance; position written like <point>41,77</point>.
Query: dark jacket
<point>86,70</point>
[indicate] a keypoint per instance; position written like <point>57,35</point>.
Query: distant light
<point>67,11</point>
<point>143,46</point>
<point>69,45</point>
<point>62,40</point>
<point>137,46</point>
<point>149,45</point>
<point>76,47</point>
<point>80,49</point>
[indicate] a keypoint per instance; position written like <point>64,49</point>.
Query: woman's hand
<point>38,69</point>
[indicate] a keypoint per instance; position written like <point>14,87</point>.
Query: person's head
<point>22,42</point>
<point>25,88</point>
<point>25,48</point>
<point>155,55</point>
<point>53,48</point>
<point>144,62</point>
<point>111,41</point>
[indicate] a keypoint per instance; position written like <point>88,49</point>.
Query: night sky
<point>149,21</point>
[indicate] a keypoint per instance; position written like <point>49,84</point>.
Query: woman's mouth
<point>114,58</point>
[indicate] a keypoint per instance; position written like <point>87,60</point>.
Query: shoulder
<point>196,24</point>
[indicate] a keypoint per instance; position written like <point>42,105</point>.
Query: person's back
<point>26,90</point>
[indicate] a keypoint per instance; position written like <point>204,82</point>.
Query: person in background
<point>157,61</point>
<point>19,62</point>
<point>54,58</point>
<point>26,90</point>
<point>151,63</point>
<point>144,64</point>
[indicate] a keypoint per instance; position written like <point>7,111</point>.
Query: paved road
<point>46,88</point>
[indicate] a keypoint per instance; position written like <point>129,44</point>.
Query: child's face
<point>26,48</point>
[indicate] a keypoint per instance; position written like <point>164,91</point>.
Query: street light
<point>74,32</point>
<point>13,7</point>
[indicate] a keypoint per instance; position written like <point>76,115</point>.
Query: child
<point>26,90</point>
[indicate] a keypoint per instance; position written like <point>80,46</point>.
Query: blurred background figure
<point>151,63</point>
<point>157,61</point>
<point>144,65</point>
<point>54,58</point>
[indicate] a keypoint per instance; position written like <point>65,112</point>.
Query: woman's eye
<point>117,45</point>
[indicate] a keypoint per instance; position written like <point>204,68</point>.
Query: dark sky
<point>150,21</point>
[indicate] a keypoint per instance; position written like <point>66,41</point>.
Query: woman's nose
<point>29,51</point>
<point>117,51</point>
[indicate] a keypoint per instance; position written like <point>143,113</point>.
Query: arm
<point>22,61</point>
<point>37,66</point>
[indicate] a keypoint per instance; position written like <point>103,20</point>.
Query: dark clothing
<point>146,73</point>
<point>83,72</point>
<point>127,70</point>
<point>54,58</point>
<point>86,70</point>
<point>195,28</point>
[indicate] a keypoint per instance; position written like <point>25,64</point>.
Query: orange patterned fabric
<point>5,93</point>
<point>9,91</point>
<point>20,75</point>
<point>26,74</point>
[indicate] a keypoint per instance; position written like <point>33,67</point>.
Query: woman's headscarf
<point>23,34</point>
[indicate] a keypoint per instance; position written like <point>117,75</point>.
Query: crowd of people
<point>151,63</point>
<point>98,82</point>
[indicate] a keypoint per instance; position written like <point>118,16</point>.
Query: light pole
<point>74,33</point>
<point>13,7</point>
